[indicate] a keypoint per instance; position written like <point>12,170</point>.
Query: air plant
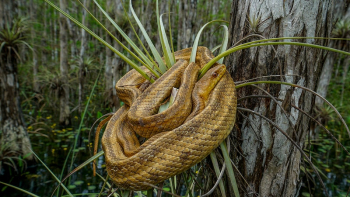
<point>13,37</point>
<point>154,62</point>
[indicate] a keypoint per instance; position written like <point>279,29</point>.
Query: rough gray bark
<point>13,132</point>
<point>109,53</point>
<point>268,161</point>
<point>189,19</point>
<point>35,58</point>
<point>179,26</point>
<point>8,10</point>
<point>64,89</point>
<point>340,8</point>
<point>214,11</point>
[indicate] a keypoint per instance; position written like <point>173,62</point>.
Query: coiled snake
<point>200,118</point>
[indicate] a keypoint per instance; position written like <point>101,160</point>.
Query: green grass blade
<point>148,62</point>
<point>150,193</point>
<point>224,43</point>
<point>196,41</point>
<point>155,65</point>
<point>170,33</point>
<point>19,189</point>
<point>165,43</point>
<point>109,185</point>
<point>118,41</point>
<point>54,176</point>
<point>217,172</point>
<point>91,159</point>
<point>127,60</point>
<point>83,117</point>
<point>229,169</point>
<point>155,53</point>
<point>84,194</point>
<point>64,166</point>
<point>215,48</point>
<point>245,46</point>
<point>163,39</point>
<point>293,38</point>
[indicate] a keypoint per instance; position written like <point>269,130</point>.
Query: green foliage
<point>13,36</point>
<point>342,29</point>
<point>43,107</point>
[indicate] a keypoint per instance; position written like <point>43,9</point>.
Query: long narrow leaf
<point>229,169</point>
<point>127,60</point>
<point>63,167</point>
<point>54,176</point>
<point>163,39</point>
<point>217,172</point>
<point>170,33</point>
<point>293,38</point>
<point>155,65</point>
<point>165,42</point>
<point>151,45</point>
<point>19,189</point>
<point>224,43</point>
<point>215,48</point>
<point>117,40</point>
<point>148,62</point>
<point>91,159</point>
<point>245,46</point>
<point>195,44</point>
<point>82,119</point>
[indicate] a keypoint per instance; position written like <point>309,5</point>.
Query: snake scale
<point>200,118</point>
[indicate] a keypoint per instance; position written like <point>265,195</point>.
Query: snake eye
<point>214,74</point>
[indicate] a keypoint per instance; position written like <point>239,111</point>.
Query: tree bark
<point>13,130</point>
<point>179,26</point>
<point>64,89</point>
<point>212,38</point>
<point>35,57</point>
<point>190,12</point>
<point>82,73</point>
<point>267,159</point>
<point>109,59</point>
<point>341,8</point>
<point>117,62</point>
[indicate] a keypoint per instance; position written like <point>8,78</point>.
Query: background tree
<point>341,30</point>
<point>14,137</point>
<point>64,69</point>
<point>266,158</point>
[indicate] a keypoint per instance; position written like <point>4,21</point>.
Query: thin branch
<point>284,111</point>
<point>292,141</point>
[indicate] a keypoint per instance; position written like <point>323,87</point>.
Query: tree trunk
<point>179,26</point>
<point>35,58</point>
<point>64,88</point>
<point>117,62</point>
<point>163,7</point>
<point>81,56</point>
<point>341,8</point>
<point>270,163</point>
<point>212,38</point>
<point>109,53</point>
<point>13,130</point>
<point>190,12</point>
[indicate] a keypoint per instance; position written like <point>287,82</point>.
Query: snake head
<point>207,83</point>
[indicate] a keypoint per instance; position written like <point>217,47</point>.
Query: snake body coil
<point>200,118</point>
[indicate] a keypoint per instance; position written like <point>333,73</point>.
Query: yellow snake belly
<point>201,117</point>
